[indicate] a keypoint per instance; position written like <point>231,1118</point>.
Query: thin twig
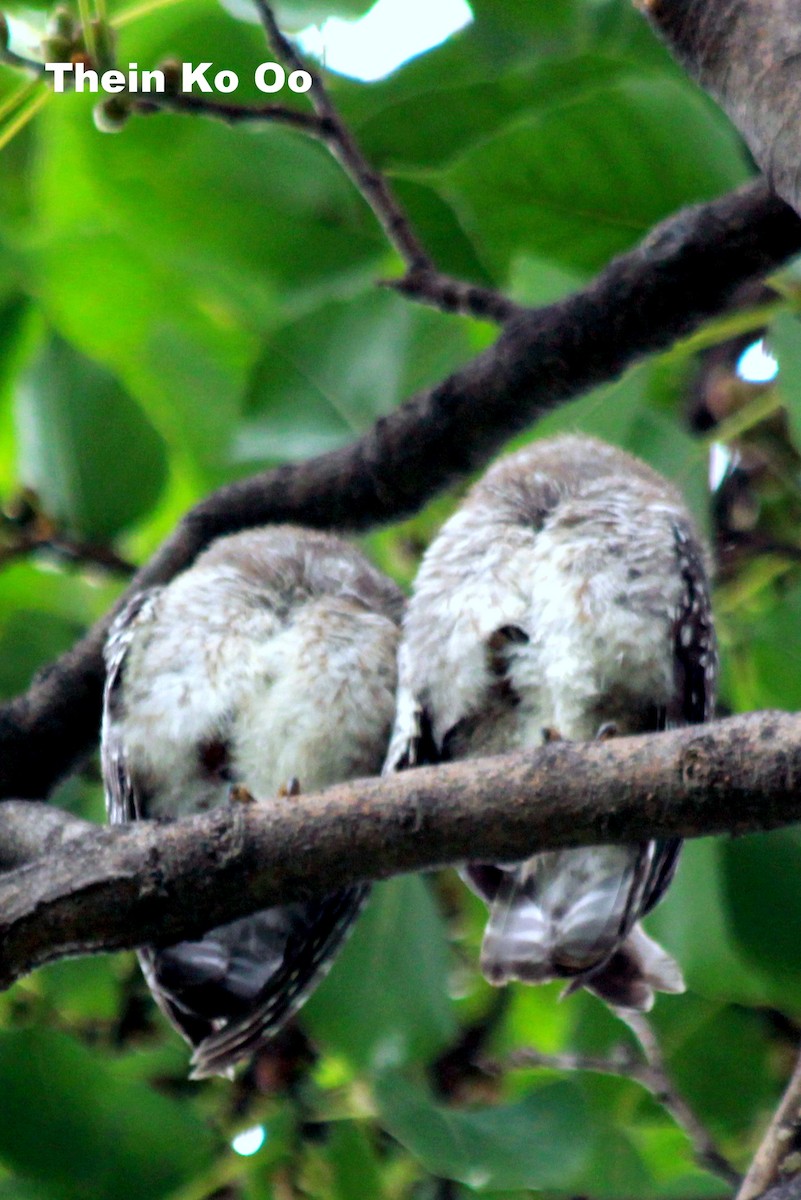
<point>655,1077</point>
<point>343,146</point>
<point>455,296</point>
<point>650,1074</point>
<point>236,114</point>
<point>772,1163</point>
<point>60,545</point>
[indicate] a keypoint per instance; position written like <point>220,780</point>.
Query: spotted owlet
<point>567,597</point>
<point>271,660</point>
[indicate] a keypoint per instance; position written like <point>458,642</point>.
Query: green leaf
<point>325,378</point>
<point>78,1131</point>
<point>772,676</point>
<point>86,448</point>
<point>385,1002</point>
<point>28,641</point>
<point>587,178</point>
<point>700,935</point>
<point>431,126</point>
<point>540,1142</point>
<point>720,1059</point>
<point>355,1165</point>
<point>764,901</point>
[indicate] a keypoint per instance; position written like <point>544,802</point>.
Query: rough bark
<point>85,889</point>
<point>747,54</point>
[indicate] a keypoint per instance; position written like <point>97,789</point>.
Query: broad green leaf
<point>83,989</point>
<point>701,935</point>
<point>386,1001</point>
<point>29,640</point>
<point>764,902</point>
<point>720,1060</point>
<point>78,1131</point>
<point>435,124</point>
<point>325,378</point>
<point>239,218</point>
<point>86,448</point>
<point>184,365</point>
<point>542,1141</point>
<point>769,666</point>
<point>585,179</point>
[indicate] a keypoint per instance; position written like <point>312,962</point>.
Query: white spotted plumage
<point>568,593</point>
<point>272,658</point>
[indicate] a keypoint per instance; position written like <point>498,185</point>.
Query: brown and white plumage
<point>271,659</point>
<point>568,597</point>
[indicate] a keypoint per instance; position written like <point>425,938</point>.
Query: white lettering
<point>300,81</point>
<point>153,81</point>
<point>112,81</point>
<point>226,81</point>
<point>195,75</point>
<point>279,75</point>
<point>85,76</point>
<point>60,72</point>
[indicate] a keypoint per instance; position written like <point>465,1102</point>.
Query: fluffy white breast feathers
<point>567,597</point>
<point>272,659</point>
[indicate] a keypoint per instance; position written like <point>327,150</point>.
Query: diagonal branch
<point>343,145</point>
<point>106,889</point>
<point>777,1158</point>
<point>684,272</point>
<point>651,1073</point>
<point>654,1075</point>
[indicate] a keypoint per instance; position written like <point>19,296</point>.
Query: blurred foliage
<point>186,303</point>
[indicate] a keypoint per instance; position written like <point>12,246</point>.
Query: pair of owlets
<point>567,596</point>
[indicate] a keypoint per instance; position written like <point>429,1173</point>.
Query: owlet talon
<point>239,794</point>
<point>290,788</point>
<point>606,731</point>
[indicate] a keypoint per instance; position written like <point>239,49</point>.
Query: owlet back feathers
<point>567,594</point>
<point>272,659</point>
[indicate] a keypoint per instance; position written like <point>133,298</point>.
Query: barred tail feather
<point>569,915</point>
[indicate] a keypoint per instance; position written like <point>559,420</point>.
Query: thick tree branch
<point>747,54</point>
<point>683,273</point>
<point>151,882</point>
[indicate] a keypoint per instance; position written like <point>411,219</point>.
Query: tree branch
<point>778,1157</point>
<point>234,114</point>
<point>745,53</point>
<point>422,281</point>
<point>152,882</point>
<point>654,1075</point>
<point>343,145</point>
<point>684,272</point>
<point>651,1074</point>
